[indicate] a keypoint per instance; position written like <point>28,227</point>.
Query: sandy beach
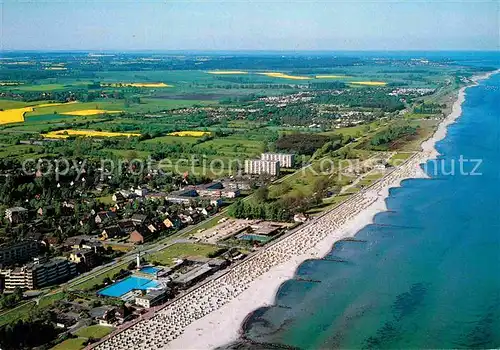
<point>212,315</point>
<point>220,327</point>
<point>223,326</point>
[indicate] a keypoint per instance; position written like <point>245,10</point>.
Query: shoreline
<point>221,323</point>
<point>212,315</point>
<point>223,326</point>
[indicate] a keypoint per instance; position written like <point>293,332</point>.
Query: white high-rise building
<point>256,166</point>
<point>286,160</point>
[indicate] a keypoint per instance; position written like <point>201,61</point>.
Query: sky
<point>249,25</point>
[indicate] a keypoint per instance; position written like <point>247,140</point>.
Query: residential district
<point>134,247</point>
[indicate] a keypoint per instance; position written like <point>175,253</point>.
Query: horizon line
<point>247,50</point>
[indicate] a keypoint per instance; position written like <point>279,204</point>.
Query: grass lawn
<point>11,104</point>
<point>180,168</point>
<point>22,311</point>
<point>179,250</point>
<point>328,203</point>
<point>99,278</point>
<point>352,190</point>
<point>17,150</point>
<point>124,153</point>
<point>71,344</point>
<point>208,224</point>
<point>303,181</point>
<point>425,131</point>
<point>59,118</point>
<point>233,145</point>
<point>95,331</point>
<point>157,104</point>
<point>369,179</point>
<point>419,116</point>
<point>113,105</point>
<point>106,200</point>
<point>118,246</point>
<point>49,299</point>
<point>354,131</point>
<point>173,139</point>
<point>399,158</point>
<point>52,86</point>
<point>15,314</point>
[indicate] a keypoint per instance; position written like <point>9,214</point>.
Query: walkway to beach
<point>169,322</point>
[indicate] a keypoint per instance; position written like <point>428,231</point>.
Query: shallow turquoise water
<point>150,270</point>
<point>428,273</point>
<point>249,237</point>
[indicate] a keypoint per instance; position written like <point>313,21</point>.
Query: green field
<point>369,179</point>
<point>173,139</point>
<point>151,105</point>
<point>329,203</point>
<point>129,154</point>
<point>426,129</point>
<point>11,104</point>
<point>71,344</point>
<point>18,150</point>
<point>52,85</point>
<point>179,168</point>
<point>114,105</point>
<point>233,146</point>
<point>17,313</point>
<point>399,158</point>
<point>105,200</point>
<point>355,131</point>
<point>95,331</point>
<point>181,250</point>
<point>23,311</point>
<point>57,118</point>
<point>49,299</point>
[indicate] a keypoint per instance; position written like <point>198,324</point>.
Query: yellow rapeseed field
<point>285,76</point>
<point>369,83</point>
<point>227,72</point>
<point>143,85</point>
<point>190,133</point>
<point>327,76</point>
<point>62,134</point>
<point>15,115</point>
<point>86,112</point>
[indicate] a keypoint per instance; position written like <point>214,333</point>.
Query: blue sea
<point>426,274</point>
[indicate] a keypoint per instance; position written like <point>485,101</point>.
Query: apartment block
<point>255,166</point>
<point>286,160</point>
<point>34,276</point>
<point>18,252</point>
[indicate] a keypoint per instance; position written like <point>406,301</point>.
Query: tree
<point>131,155</point>
<point>262,194</point>
<point>320,187</point>
<point>132,265</point>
